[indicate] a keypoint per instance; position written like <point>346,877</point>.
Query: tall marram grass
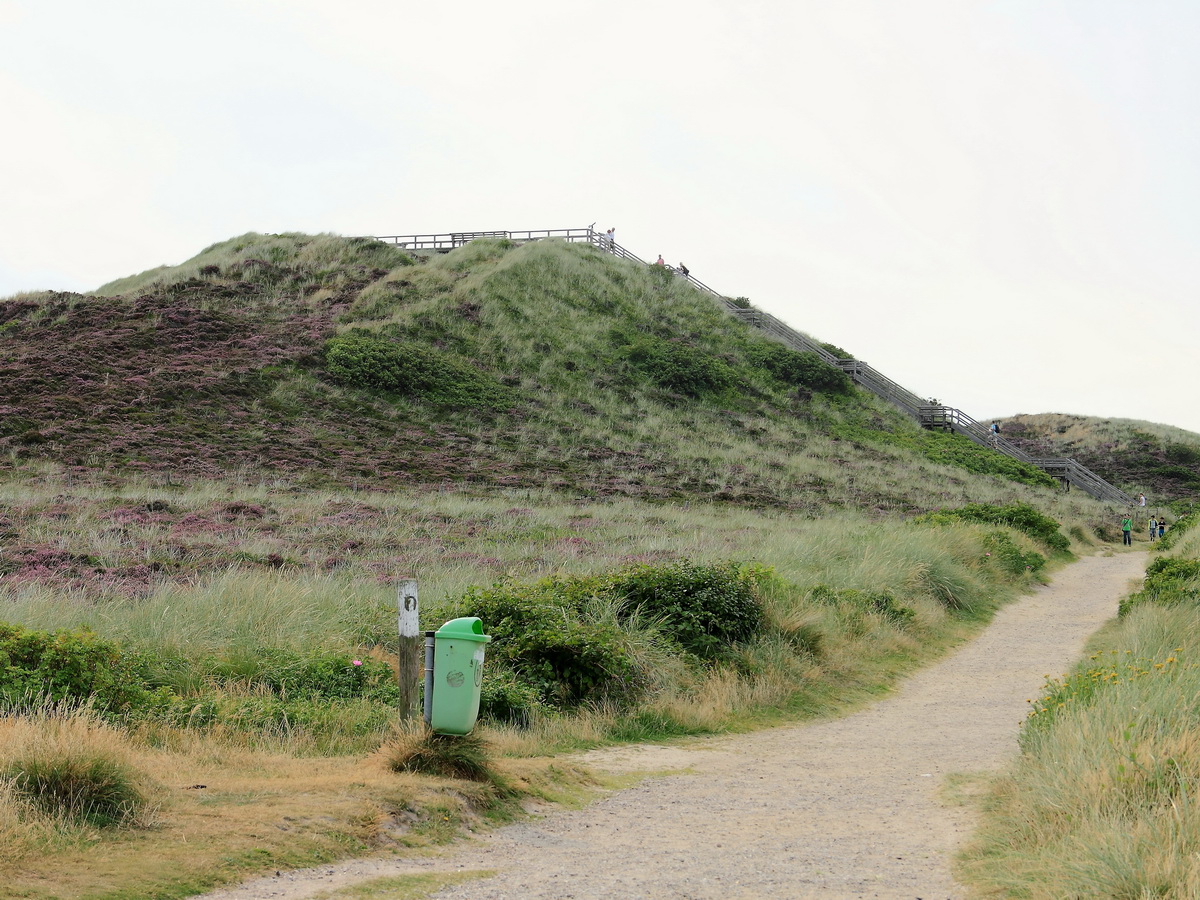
<point>1090,433</point>
<point>555,322</point>
<point>1104,800</point>
<point>320,254</point>
<point>242,611</point>
<point>64,767</point>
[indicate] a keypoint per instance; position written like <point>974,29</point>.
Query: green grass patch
<point>374,363</point>
<point>1021,516</point>
<point>1101,802</point>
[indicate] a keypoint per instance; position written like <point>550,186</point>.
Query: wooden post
<point>412,649</point>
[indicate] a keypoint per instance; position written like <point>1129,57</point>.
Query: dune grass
<point>322,255</point>
<point>646,429</point>
<point>251,579</point>
<point>626,384</point>
<point>65,767</point>
<point>259,598</point>
<point>1161,461</point>
<point>1103,799</point>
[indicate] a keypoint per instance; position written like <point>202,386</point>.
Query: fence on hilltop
<point>929,414</point>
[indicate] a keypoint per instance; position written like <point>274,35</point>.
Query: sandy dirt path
<point>847,808</point>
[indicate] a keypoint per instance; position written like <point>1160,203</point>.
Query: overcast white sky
<point>994,203</point>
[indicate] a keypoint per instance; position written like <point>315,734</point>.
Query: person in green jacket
<point>1127,530</point>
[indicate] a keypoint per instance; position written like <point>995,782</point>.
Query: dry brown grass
<point>224,812</point>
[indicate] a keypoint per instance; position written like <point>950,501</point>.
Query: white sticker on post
<point>406,601</point>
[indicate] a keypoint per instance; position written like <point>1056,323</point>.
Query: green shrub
<point>1178,530</point>
<point>553,647</point>
<point>322,675</point>
<point>506,699</point>
<point>76,667</point>
<point>567,660</point>
<point>1170,568</point>
<point>678,367</point>
<point>284,672</point>
<point>1182,454</point>
<point>1020,516</point>
<point>957,450</point>
<point>836,351</point>
<point>881,603</point>
<point>1169,581</point>
<point>799,369</point>
<point>705,608</point>
<point>373,363</point>
<point>1004,553</point>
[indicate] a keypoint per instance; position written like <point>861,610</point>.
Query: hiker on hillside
<point>1162,527</point>
<point>1127,530</point>
<point>1153,528</point>
<point>610,237</point>
<point>1141,499</point>
<point>660,261</point>
<point>683,270</point>
<point>995,430</point>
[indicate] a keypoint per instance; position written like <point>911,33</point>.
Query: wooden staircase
<point>930,415</point>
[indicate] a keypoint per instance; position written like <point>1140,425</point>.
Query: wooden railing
<point>929,415</point>
<point>447,241</point>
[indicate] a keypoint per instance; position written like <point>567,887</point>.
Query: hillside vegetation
<point>1101,801</point>
<point>332,362</point>
<point>1158,460</point>
<point>215,475</point>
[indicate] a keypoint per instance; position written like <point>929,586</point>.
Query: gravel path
<point>838,809</point>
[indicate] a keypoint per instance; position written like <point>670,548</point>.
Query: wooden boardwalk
<point>930,415</point>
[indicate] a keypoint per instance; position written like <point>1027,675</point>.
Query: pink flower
<point>357,662</point>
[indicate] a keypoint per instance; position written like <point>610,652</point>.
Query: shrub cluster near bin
<point>564,642</point>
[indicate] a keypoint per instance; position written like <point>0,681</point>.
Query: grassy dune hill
<point>333,362</point>
<point>1161,461</point>
<point>215,476</point>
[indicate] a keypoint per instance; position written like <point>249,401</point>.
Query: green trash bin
<point>458,648</point>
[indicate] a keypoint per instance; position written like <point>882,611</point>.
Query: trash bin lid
<point>468,628</point>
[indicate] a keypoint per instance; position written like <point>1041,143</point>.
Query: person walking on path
<point>1153,528</point>
<point>1162,527</point>
<point>1127,530</point>
<point>1141,499</point>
